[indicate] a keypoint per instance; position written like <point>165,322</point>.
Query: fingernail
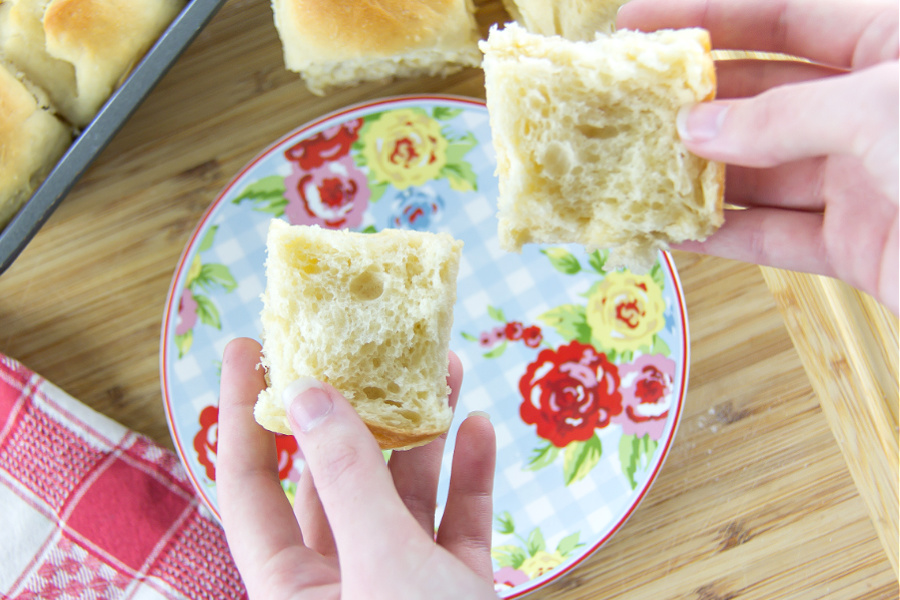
<point>480,413</point>
<point>307,403</point>
<point>700,122</point>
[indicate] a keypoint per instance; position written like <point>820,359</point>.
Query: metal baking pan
<point>108,121</point>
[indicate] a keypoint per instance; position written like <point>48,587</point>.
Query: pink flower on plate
<point>187,313</point>
<point>648,391</point>
<point>507,578</point>
<point>334,195</point>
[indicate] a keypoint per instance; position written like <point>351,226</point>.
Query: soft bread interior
<point>369,314</point>
<point>586,141</point>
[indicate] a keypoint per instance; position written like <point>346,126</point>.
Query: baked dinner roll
<point>369,314</point>
<point>571,19</point>
<point>79,51</point>
<point>333,44</point>
<point>31,141</point>
<point>586,142</point>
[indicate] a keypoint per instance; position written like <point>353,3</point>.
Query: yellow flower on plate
<point>405,148</point>
<point>541,563</point>
<point>625,311</point>
<point>194,271</point>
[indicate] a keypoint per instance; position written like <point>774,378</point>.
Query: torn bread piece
<point>587,147</point>
<point>368,313</point>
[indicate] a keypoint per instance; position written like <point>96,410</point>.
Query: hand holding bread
<point>811,144</point>
<point>359,528</point>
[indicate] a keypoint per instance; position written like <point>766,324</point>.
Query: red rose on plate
<point>207,439</point>
<point>334,195</point>
<point>325,146</point>
<point>206,443</point>
<point>569,392</point>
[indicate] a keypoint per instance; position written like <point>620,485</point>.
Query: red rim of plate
<point>189,247</point>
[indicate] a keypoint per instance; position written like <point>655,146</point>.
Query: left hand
<point>359,528</point>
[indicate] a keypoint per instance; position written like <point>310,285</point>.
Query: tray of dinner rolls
<point>71,73</point>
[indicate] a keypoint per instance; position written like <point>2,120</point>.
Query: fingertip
<point>307,403</point>
<point>702,122</point>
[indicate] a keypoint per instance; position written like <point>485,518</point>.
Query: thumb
<point>850,114</point>
<point>349,471</point>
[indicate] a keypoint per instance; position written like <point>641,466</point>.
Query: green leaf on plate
<point>468,337</point>
<point>568,544</point>
<point>377,189</point>
<point>660,346</point>
<point>208,238</point>
<point>562,260</point>
<point>184,342</point>
<point>207,311</point>
<point>597,260</point>
<point>499,350</point>
<point>569,321</point>
<point>496,314</point>
<point>369,229</point>
<point>657,275</point>
<point>267,188</point>
<point>212,275</point>
<point>635,454</point>
<point>535,542</point>
<point>509,556</point>
<point>542,456</point>
<point>505,524</point>
<point>445,113</point>
<point>580,458</point>
<point>461,176</point>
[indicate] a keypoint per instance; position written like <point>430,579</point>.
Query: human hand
<point>359,528</point>
<point>811,147</point>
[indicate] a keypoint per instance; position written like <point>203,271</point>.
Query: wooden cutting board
<point>757,499</point>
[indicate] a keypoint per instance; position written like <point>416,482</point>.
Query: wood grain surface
<point>755,500</point>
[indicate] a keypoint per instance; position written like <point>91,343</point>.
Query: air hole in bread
<point>375,393</point>
<point>393,388</point>
<point>393,403</point>
<point>413,267</point>
<point>367,286</point>
<point>410,416</point>
<point>601,132</point>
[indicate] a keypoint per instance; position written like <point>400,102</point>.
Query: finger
<point>742,78</point>
<point>416,471</point>
<point>835,32</point>
<point>853,114</point>
<point>255,512</point>
<point>465,529</point>
<point>769,236</point>
<point>797,185</point>
<point>311,517</point>
<point>350,475</point>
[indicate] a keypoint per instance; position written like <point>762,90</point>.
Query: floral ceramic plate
<point>582,369</point>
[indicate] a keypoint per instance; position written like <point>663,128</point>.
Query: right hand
<point>811,147</point>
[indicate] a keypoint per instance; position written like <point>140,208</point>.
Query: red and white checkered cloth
<point>90,510</point>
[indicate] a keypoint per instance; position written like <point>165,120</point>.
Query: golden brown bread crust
<point>79,51</point>
<point>31,141</point>
<point>370,27</point>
